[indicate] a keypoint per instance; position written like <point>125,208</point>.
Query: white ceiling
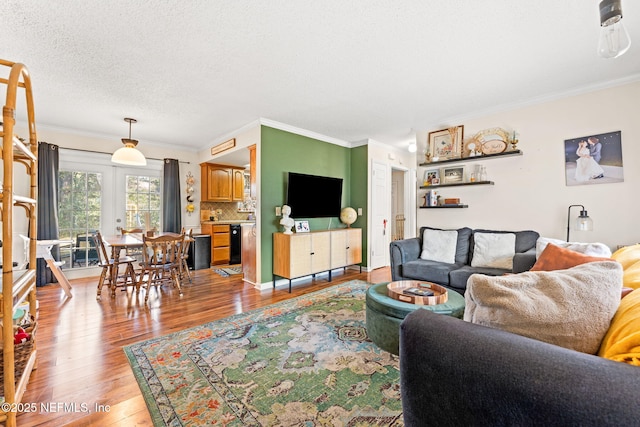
<point>191,71</point>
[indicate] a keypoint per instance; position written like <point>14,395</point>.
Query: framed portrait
<point>430,175</point>
<point>446,144</point>
<point>452,175</point>
<point>301,226</point>
<point>594,159</point>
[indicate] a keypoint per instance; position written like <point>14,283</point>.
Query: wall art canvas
<point>594,159</point>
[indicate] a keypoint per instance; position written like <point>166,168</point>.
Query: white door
<point>380,215</point>
<point>138,200</point>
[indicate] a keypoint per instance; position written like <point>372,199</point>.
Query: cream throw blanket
<point>571,308</point>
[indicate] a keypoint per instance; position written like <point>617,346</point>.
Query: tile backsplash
<point>229,211</point>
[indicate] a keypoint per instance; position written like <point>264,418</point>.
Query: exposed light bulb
<point>614,39</point>
<point>413,147</point>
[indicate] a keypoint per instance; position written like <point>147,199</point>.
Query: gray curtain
<point>171,210</point>
<point>48,159</point>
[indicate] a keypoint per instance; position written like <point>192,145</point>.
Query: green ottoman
<point>384,315</point>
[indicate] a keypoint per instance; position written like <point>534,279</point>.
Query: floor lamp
<point>583,222</point>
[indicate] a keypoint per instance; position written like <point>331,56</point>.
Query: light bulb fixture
<point>129,154</point>
<point>582,223</point>
<point>413,147</point>
<point>614,39</point>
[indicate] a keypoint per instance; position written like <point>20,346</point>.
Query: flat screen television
<point>311,196</point>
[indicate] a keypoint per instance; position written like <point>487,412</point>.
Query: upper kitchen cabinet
<point>222,183</point>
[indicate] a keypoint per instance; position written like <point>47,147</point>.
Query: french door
<point>94,194</point>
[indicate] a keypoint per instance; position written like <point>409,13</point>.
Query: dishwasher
<point>236,244</point>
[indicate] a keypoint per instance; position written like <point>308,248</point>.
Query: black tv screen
<point>311,196</point>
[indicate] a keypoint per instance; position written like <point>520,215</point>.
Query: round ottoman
<point>384,314</point>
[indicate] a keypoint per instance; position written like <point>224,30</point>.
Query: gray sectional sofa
<point>406,263</point>
<point>506,379</point>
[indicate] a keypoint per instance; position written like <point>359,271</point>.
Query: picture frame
<point>430,175</point>
<point>594,159</point>
<point>446,144</point>
<point>435,181</point>
<point>301,226</point>
<point>453,174</point>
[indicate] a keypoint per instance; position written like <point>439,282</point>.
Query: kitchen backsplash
<point>229,211</point>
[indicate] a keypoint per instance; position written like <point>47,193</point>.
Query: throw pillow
<point>571,308</point>
<point>556,258</point>
<point>622,342</point>
<point>494,250</point>
<point>439,245</point>
<point>629,257</point>
<point>593,249</point>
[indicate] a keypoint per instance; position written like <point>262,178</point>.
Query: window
<point>79,215</point>
<point>143,202</point>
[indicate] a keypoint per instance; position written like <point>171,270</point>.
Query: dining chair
<point>184,254</point>
<point>110,269</point>
<point>161,261</point>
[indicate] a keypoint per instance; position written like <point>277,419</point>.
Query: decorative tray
<point>417,292</point>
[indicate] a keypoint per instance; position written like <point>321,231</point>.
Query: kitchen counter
<point>230,221</point>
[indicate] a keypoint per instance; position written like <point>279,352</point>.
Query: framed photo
<point>452,175</point>
<point>446,144</point>
<point>594,159</point>
<point>435,181</point>
<point>301,226</point>
<point>430,175</point>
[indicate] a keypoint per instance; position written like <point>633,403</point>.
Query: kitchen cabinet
<point>221,183</point>
<point>220,242</point>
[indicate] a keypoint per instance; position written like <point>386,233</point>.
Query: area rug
<point>228,271</point>
<point>306,361</point>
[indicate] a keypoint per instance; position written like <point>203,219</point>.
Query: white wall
<point>530,190</point>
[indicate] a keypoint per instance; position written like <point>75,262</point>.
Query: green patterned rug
<point>306,361</point>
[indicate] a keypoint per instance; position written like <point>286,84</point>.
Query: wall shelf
<point>476,158</point>
<point>428,187</point>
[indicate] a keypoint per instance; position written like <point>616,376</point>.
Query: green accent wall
<point>282,152</point>
<point>359,192</point>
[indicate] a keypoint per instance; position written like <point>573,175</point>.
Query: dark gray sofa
<point>407,265</point>
<point>456,373</point>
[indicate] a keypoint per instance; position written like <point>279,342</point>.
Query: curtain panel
<point>171,208</point>
<point>48,166</point>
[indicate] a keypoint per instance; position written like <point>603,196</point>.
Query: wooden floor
<point>81,364</point>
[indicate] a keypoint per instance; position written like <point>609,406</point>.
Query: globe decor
<point>348,216</point>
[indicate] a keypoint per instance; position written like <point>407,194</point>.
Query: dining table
<point>128,241</point>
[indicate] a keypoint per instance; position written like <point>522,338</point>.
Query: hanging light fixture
<point>129,154</point>
<point>614,39</point>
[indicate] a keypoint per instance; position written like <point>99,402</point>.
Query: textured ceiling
<point>192,71</point>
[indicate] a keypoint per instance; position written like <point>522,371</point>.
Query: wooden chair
<point>161,261</point>
<point>184,254</point>
<point>110,267</point>
<point>134,252</point>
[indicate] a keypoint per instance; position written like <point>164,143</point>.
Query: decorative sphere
<point>348,216</point>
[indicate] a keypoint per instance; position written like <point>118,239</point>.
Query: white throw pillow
<point>439,245</point>
<point>591,249</point>
<point>494,250</point>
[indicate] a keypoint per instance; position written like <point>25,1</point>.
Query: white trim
<point>304,132</point>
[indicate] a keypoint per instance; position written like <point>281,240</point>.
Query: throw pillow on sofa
<point>571,308</point>
<point>592,249</point>
<point>494,250</point>
<point>629,257</point>
<point>556,258</point>
<point>439,245</point>
<point>622,341</point>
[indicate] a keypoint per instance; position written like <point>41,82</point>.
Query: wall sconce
<point>614,39</point>
<point>582,223</point>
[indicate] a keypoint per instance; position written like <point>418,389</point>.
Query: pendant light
<point>129,154</point>
<point>614,39</point>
